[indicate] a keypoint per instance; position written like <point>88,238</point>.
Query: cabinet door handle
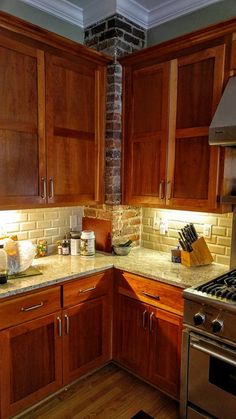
<point>43,188</point>
<point>144,319</point>
<point>51,187</point>
<point>150,323</point>
<point>146,294</point>
<point>59,327</point>
<point>161,189</point>
<point>168,189</point>
<point>67,324</point>
<point>87,289</point>
<point>32,307</point>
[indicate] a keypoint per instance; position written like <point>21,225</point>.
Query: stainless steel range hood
<point>222,130</point>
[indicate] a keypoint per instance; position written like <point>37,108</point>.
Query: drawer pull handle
<point>32,307</point>
<point>144,319</point>
<point>155,297</point>
<point>51,188</point>
<point>150,324</point>
<point>87,289</point>
<point>59,327</point>
<point>67,324</point>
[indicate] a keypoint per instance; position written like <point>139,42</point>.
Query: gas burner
<point>223,287</point>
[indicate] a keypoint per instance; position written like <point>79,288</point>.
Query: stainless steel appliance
<point>208,377</point>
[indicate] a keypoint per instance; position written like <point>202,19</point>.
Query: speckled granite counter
<point>149,263</point>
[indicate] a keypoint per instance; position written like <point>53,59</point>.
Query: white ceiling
<point>146,13</point>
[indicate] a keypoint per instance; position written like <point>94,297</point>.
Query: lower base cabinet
<point>147,338</point>
<point>31,363</point>
<point>149,343</point>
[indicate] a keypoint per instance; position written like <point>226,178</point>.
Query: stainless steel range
<point>208,377</point>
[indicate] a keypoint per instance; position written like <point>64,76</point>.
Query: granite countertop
<point>149,263</point>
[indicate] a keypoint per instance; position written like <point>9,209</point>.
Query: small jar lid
<point>87,234</point>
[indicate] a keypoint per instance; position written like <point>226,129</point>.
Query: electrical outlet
<point>163,226</point>
<point>207,230</point>
<point>156,223</point>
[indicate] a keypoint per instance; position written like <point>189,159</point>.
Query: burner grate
<point>223,287</point>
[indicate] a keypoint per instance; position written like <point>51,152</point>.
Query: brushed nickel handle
<point>144,319</point>
<point>32,307</point>
<point>87,289</point>
<point>59,327</point>
<point>155,297</point>
<point>168,189</point>
<point>67,324</point>
<point>216,355</point>
<point>161,189</point>
<point>51,187</point>
<point>150,323</point>
<point>43,188</point>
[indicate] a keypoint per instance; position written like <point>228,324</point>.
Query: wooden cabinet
<point>193,164</point>
<point>87,325</point>
<point>147,337</point>
<point>22,136</point>
<point>31,352</point>
<point>75,104</point>
<point>170,96</point>
<point>146,133</point>
<point>52,117</point>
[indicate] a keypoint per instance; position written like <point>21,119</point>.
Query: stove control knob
<point>199,319</point>
<point>217,325</point>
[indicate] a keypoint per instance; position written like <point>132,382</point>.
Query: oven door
<point>212,377</point>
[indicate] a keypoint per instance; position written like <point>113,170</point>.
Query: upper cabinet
<point>52,118</point>
<point>170,95</point>
<point>75,108</point>
<point>22,135</point>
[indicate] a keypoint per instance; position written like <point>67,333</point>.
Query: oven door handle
<point>213,353</point>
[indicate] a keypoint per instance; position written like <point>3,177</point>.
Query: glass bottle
<point>3,265</point>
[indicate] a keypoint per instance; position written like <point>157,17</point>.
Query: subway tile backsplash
<point>34,224</point>
<point>219,243</point>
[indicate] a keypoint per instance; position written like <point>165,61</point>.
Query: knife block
<point>199,256</point>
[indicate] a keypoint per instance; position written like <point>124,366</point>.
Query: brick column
<point>116,36</point>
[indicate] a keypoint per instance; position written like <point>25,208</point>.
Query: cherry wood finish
<point>194,175</point>
<point>147,109</point>
<point>31,366</point>
<point>147,339</point>
<point>165,351</point>
<point>87,321</point>
<point>74,107</point>
<point>164,296</point>
<point>86,343</point>
<point>133,335</point>
<point>194,170</point>
<point>22,137</point>
<point>21,309</point>
<point>51,118</point>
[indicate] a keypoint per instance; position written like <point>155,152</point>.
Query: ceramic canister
<point>87,243</point>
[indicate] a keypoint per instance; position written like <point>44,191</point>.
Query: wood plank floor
<point>109,393</point>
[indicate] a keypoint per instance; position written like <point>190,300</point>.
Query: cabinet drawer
<point>150,291</point>
<point>22,309</point>
<point>86,288</point>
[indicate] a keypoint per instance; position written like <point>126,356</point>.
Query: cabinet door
<point>165,350</point>
<point>87,337</point>
<point>22,135</point>
<point>145,138</point>
<point>133,335</point>
<point>75,130</point>
<point>31,363</point>
<point>193,164</point>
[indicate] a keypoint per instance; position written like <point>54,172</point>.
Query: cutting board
<point>102,230</point>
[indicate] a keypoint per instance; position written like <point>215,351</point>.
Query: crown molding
<point>173,9</point>
<point>63,9</point>
<point>96,10</point>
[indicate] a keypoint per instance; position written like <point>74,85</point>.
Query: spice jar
<point>42,248</point>
<point>87,243</point>
<point>65,245</point>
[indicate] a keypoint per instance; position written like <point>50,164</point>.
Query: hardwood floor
<point>110,393</point>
